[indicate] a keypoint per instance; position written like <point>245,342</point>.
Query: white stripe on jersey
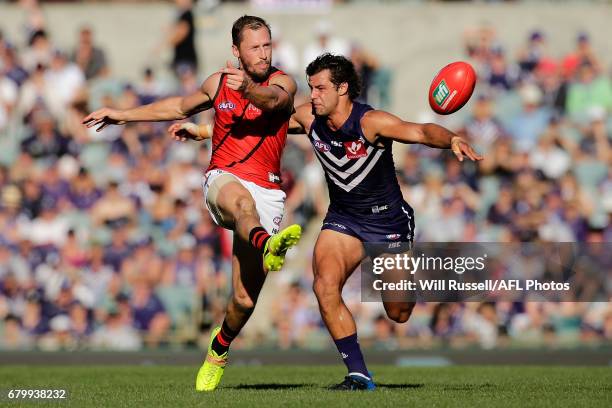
<point>331,172</point>
<point>344,159</point>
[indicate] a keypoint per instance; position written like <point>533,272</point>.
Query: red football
<point>452,87</point>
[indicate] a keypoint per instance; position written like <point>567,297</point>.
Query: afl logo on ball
<point>321,146</point>
<point>355,150</point>
<point>226,106</point>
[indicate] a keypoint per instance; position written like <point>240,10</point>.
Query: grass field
<point>270,386</point>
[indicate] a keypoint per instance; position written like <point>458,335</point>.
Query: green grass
<point>270,386</point>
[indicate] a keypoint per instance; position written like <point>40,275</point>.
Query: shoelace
<point>216,361</point>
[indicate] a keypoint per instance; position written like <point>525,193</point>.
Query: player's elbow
<point>181,114</point>
<point>326,288</point>
<point>280,102</point>
<point>274,104</point>
<point>425,132</point>
<point>181,109</point>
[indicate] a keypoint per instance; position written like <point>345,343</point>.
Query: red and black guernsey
<point>247,141</point>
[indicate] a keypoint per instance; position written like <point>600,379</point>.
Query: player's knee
<point>326,288</point>
<point>400,314</point>
<point>399,317</point>
<point>244,204</point>
<point>243,302</point>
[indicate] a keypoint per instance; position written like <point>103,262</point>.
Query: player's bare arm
<point>173,108</point>
<point>299,124</point>
<point>277,96</point>
<point>301,119</point>
<point>377,124</point>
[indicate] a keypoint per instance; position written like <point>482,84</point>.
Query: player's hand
<point>237,79</point>
<point>461,148</point>
<point>104,117</point>
<point>187,131</point>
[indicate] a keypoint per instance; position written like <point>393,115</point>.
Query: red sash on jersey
<point>247,141</point>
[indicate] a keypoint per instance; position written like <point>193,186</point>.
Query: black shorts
<point>390,230</point>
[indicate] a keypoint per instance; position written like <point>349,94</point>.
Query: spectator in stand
<point>285,55</point>
<point>589,90</point>
<point>11,66</point>
<point>90,59</point>
<point>583,54</point>
<point>482,127</point>
<point>479,43</point>
<point>40,51</point>
<point>501,75</point>
<point>534,51</point>
<point>149,313</point>
<point>553,85</point>
<point>528,125</point>
<point>8,100</point>
<point>182,38</point>
<point>324,42</point>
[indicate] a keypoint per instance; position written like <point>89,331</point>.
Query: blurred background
<point>104,240</point>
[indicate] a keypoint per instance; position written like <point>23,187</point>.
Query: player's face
<point>324,95</point>
<point>255,53</point>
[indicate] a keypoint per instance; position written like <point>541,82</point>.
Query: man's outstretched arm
<point>383,124</point>
<point>299,123</point>
<point>173,108</point>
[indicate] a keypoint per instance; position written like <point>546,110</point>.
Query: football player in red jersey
<point>253,104</point>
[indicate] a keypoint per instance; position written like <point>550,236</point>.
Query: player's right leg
<point>398,304</point>
<point>248,277</point>
<point>336,256</point>
<point>234,206</point>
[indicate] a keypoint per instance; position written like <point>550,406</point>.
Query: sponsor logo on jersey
<point>273,178</point>
<point>337,144</point>
<point>277,220</point>
<point>394,236</point>
<point>355,149</point>
<point>253,109</point>
<point>321,146</point>
<point>226,106</point>
<point>252,112</point>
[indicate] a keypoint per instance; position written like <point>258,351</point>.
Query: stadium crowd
<point>105,242</point>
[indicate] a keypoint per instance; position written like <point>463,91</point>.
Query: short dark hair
<point>341,70</point>
<point>250,22</point>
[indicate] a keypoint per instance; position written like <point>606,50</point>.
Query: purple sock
<point>348,347</point>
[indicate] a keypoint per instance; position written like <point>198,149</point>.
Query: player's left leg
<point>248,277</point>
<point>248,274</point>
<point>336,256</point>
